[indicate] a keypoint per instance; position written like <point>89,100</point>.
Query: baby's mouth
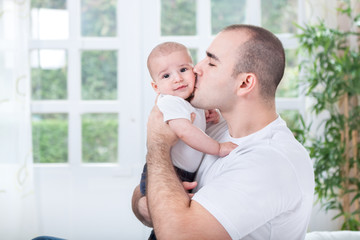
<point>181,87</point>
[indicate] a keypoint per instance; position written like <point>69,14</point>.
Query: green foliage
<point>98,18</point>
<point>99,138</point>
<point>54,4</point>
<point>278,16</point>
<point>50,134</point>
<point>226,12</point>
<point>48,83</point>
<point>99,75</point>
<point>332,73</point>
<point>178,17</point>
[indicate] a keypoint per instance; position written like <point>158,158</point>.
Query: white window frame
<point>127,106</point>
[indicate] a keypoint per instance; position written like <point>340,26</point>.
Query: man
<point>264,188</point>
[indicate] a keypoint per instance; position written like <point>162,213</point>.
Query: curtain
<point>18,218</point>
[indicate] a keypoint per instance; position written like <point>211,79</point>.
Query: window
<point>81,67</point>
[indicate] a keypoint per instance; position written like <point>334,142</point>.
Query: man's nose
<point>197,69</point>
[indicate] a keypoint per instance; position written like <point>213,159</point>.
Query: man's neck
<point>246,121</point>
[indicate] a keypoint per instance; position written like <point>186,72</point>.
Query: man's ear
<point>155,87</point>
<point>247,82</point>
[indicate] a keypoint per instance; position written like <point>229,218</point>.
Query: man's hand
<point>159,133</point>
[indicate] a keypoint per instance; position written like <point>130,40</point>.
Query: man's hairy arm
<point>174,215</point>
<point>139,203</point>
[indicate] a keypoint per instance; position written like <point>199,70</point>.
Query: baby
<point>171,69</point>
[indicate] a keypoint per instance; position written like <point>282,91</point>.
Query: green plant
<point>48,83</point>
<point>49,136</point>
<point>178,17</point>
<point>331,68</point>
<point>99,138</point>
<point>99,75</point>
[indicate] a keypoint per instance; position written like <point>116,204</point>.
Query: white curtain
<point>17,197</point>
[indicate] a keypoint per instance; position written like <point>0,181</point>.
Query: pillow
<point>335,235</point>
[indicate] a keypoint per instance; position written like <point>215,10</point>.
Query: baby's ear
<point>155,87</point>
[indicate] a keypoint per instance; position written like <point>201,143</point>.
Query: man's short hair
<point>263,55</point>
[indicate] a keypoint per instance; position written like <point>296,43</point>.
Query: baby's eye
<point>183,69</point>
<point>166,75</point>
<point>211,65</point>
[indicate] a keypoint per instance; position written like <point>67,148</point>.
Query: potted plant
<point>331,73</point>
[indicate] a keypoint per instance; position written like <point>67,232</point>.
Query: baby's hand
<point>226,148</point>
<point>212,116</point>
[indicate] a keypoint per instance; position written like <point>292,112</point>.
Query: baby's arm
<point>197,139</point>
<point>212,116</point>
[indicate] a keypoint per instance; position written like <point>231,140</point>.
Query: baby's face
<point>173,74</point>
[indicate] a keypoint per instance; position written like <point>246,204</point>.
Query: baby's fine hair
<point>164,49</point>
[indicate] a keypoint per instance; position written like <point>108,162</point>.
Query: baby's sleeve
<point>173,107</point>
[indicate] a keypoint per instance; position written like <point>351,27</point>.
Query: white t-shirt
<point>173,107</point>
<point>263,189</point>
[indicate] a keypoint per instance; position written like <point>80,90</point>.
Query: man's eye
<point>166,75</point>
<point>183,69</point>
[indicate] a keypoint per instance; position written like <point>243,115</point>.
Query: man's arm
<point>139,203</point>
<point>174,215</point>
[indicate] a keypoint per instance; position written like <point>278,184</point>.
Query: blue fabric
<point>143,180</point>
<point>152,236</point>
<point>184,176</point>
<point>47,238</point>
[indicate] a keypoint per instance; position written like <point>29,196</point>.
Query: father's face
<point>215,86</point>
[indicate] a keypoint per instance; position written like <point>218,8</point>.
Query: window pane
<point>226,12</point>
<point>99,138</point>
<point>49,19</point>
<point>193,53</point>
<point>99,75</point>
<point>98,18</point>
<point>278,16</point>
<point>289,84</point>
<point>50,134</point>
<point>48,74</point>
<point>178,17</point>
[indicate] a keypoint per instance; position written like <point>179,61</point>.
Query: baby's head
<point>171,69</point>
